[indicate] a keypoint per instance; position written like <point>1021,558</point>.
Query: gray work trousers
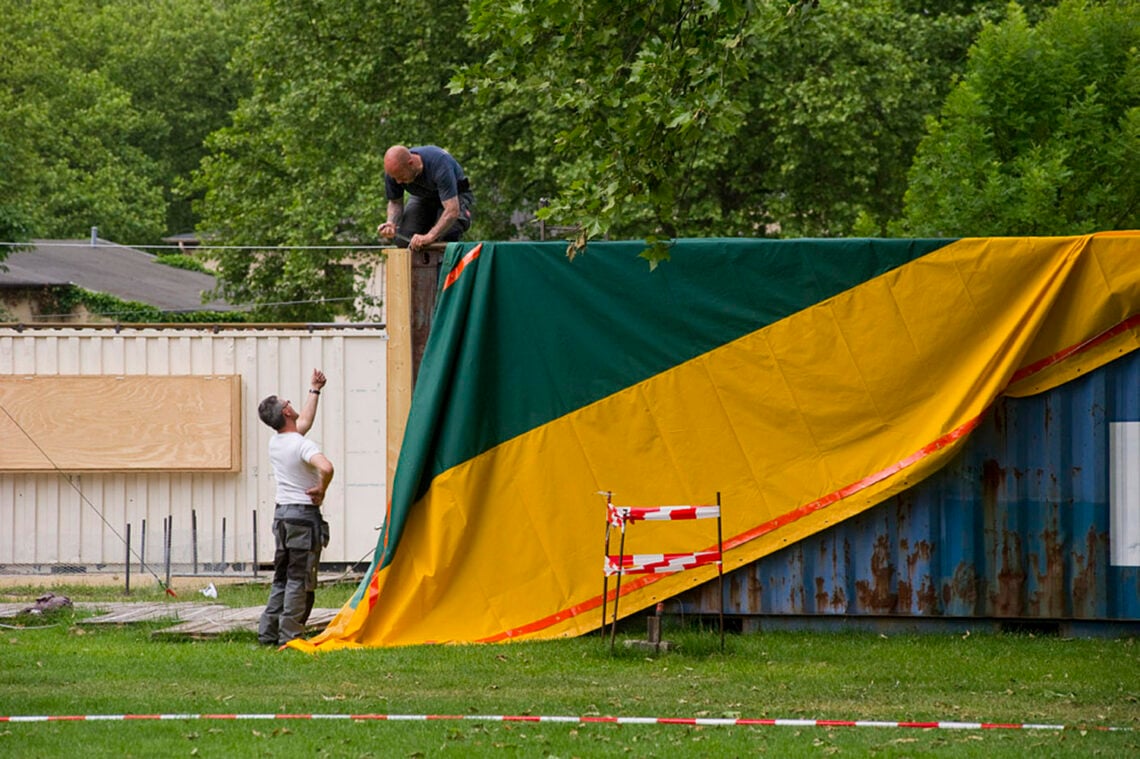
<point>298,539</point>
<point>421,214</point>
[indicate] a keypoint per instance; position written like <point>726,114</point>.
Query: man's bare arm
<point>309,409</point>
<point>448,217</point>
<point>388,229</point>
<point>325,468</point>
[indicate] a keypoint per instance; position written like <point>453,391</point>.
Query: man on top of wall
<point>440,199</point>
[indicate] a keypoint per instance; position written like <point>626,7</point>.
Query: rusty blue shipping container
<point>1036,520</point>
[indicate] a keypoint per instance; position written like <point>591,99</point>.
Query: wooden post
<point>412,281</point>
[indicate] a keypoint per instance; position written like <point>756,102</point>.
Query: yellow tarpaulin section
<point>798,424</point>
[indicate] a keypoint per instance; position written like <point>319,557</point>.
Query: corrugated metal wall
<point>48,519</point>
<point>1016,526</point>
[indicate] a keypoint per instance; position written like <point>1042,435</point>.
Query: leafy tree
<point>174,59</point>
<point>836,104</point>
<point>1042,134</point>
<point>302,161</point>
<point>105,107</point>
<point>71,133</point>
<point>637,100</point>
<point>697,118</point>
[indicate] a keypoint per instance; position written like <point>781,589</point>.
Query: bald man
<point>439,202</point>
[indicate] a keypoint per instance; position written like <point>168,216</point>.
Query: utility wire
<point>200,246</point>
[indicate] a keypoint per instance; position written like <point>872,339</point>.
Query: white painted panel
<point>57,518</point>
<point>1124,493</point>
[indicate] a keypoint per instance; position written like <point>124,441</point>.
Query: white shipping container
<point>51,519</point>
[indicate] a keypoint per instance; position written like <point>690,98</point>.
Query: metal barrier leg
<point>605,578</point>
<point>617,587</point>
<point>720,569</point>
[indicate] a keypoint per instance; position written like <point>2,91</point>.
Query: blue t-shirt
<point>439,179</point>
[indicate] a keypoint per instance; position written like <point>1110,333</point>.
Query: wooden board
<point>217,623</point>
<point>412,286</point>
<point>120,423</point>
<point>125,613</point>
<point>194,620</point>
<point>398,303</point>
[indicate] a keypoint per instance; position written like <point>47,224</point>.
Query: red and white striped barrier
<point>619,514</point>
<point>695,721</point>
<point>658,563</point>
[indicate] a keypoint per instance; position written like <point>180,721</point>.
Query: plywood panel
<point>120,423</point>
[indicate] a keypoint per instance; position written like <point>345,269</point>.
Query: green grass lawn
<point>56,666</point>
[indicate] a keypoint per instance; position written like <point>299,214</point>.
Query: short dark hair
<point>272,412</point>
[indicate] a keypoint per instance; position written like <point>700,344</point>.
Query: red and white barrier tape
<point>658,563</point>
<point>618,514</point>
<point>695,721</point>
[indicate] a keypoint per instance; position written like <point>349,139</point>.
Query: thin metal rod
<point>168,524</point>
<point>617,586</point>
<point>128,572</point>
<point>194,536</point>
<point>605,557</point>
<point>255,542</point>
<point>222,568</point>
<point>720,568</point>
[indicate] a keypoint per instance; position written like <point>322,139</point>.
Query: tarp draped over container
<point>803,380</point>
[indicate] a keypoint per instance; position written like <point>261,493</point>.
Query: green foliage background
<point>1041,135</point>
<point>262,123</point>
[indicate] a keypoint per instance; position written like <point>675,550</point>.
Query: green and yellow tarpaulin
<point>802,380</point>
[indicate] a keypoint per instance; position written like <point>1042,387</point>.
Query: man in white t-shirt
<point>302,474</point>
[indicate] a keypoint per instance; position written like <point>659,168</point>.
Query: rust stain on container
<point>822,597</point>
<point>835,601</point>
<point>1049,600</point>
<point>963,586</point>
<point>734,581</point>
<point>754,590</point>
<point>904,596</point>
<point>1084,575</point>
<point>1010,577</point>
<point>993,475</point>
<point>875,594</point>
<point>925,600</point>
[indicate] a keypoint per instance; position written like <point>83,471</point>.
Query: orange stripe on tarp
<point>1061,355</point>
<point>459,267</point>
<point>827,500</point>
<point>849,490</point>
